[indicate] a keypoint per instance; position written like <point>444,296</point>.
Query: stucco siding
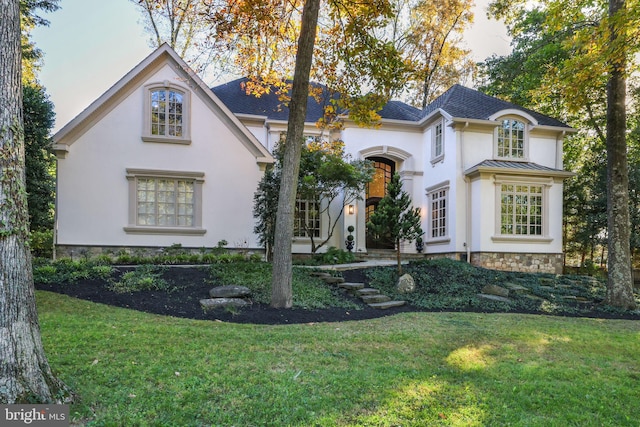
<point>96,213</point>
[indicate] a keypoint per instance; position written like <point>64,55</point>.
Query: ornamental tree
<point>327,176</point>
<point>394,219</point>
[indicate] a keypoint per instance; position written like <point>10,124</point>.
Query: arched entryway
<point>376,190</point>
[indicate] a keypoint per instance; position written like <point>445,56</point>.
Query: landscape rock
<point>333,280</point>
<point>494,297</point>
<point>406,284</point>
<point>215,303</point>
<point>518,289</point>
<point>231,291</point>
<point>495,290</point>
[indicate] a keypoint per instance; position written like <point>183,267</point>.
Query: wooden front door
<point>376,190</point>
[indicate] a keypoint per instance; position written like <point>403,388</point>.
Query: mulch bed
<point>193,286</point>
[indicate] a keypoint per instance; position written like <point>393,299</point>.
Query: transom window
<point>511,139</point>
<point>166,112</point>
<point>165,202</point>
<point>521,209</point>
<point>438,213</point>
<point>307,219</point>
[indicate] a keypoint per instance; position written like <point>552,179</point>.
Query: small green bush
<point>66,270</point>
<point>336,256</point>
<point>41,243</point>
<point>143,278</point>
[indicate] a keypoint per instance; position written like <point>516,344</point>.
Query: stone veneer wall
<point>80,252</point>
<point>529,263</point>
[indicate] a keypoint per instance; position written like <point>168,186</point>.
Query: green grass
<point>416,369</point>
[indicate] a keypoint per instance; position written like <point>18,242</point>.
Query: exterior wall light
<point>351,209</point>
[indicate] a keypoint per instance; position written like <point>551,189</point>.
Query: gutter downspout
<point>467,194</point>
<point>55,214</point>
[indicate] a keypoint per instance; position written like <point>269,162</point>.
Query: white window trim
<point>546,184</point>
<point>185,139</point>
<point>198,181</point>
<point>435,158</point>
<point>525,142</point>
<point>445,185</point>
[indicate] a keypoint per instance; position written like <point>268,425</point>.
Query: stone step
<point>377,298</point>
<point>367,291</point>
<point>386,305</point>
<point>320,274</point>
<point>333,280</point>
<point>216,303</point>
<point>351,286</point>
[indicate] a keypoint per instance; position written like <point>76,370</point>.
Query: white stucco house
<point>161,159</point>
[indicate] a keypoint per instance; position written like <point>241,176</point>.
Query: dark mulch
<point>192,285</point>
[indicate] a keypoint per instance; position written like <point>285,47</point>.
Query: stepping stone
<point>370,299</point>
<point>367,291</point>
<point>495,290</point>
<point>386,305</point>
<point>351,286</point>
<point>518,289</point>
<point>333,280</point>
<point>494,297</point>
<point>215,303</point>
<point>231,291</point>
<point>320,274</point>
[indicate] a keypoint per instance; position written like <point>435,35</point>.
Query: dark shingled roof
<point>458,101</point>
<point>233,95</point>
<point>462,102</point>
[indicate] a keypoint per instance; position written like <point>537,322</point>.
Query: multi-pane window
<point>167,113</point>
<point>511,139</point>
<point>438,213</point>
<point>521,210</point>
<point>307,219</point>
<point>438,148</point>
<point>165,202</point>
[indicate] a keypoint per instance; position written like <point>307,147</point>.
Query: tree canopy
<point>572,59</point>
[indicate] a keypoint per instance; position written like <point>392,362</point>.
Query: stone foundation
<point>528,263</point>
<point>77,252</point>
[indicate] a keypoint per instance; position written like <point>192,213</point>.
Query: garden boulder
<point>406,284</point>
<point>231,291</point>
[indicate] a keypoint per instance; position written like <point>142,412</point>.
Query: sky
<point>90,44</point>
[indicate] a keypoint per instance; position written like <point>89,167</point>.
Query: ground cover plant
<point>411,369</point>
<point>447,285</point>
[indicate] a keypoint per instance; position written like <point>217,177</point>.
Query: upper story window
<point>511,140</point>
<point>437,143</point>
<point>166,114</point>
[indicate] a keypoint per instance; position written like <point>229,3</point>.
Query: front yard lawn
<point>412,369</point>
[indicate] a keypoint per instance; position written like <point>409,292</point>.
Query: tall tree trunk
<point>25,375</point>
<point>281,291</point>
<point>619,282</point>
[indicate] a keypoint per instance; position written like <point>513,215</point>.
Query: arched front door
<point>376,190</point>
